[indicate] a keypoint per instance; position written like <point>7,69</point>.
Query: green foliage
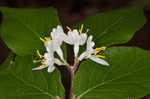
<point>127,76</point>
<point>114,27</point>
<point>22,28</point>
<point>18,81</point>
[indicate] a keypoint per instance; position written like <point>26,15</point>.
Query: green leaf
<point>114,27</point>
<point>22,28</point>
<point>127,76</point>
<point>20,82</point>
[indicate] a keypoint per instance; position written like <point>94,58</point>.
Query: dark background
<point>72,11</point>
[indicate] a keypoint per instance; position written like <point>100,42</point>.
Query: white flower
<point>89,53</point>
<point>76,39</point>
<point>58,37</point>
<point>48,61</point>
<point>52,45</point>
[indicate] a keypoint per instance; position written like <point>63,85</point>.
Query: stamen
<point>96,52</point>
<point>36,61</point>
<point>100,48</point>
<point>47,38</point>
<point>69,28</point>
<point>100,56</point>
<point>38,53</point>
<point>81,29</point>
<point>41,65</point>
<point>42,40</point>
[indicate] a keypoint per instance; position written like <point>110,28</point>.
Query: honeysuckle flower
<point>58,37</point>
<point>47,60</point>
<point>92,53</point>
<point>52,45</point>
<point>76,38</point>
<point>55,42</point>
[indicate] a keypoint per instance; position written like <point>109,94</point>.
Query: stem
<point>66,78</point>
<point>67,75</point>
<point>70,54</point>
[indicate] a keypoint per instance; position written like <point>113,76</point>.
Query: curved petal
<point>39,68</point>
<point>57,61</point>
<point>76,49</point>
<point>46,46</point>
<point>98,60</point>
<point>75,32</point>
<point>51,68</point>
<point>82,56</point>
<point>60,53</point>
<point>60,29</point>
<point>68,38</point>
<point>83,38</point>
<point>53,33</point>
<point>50,46</point>
<point>68,41</point>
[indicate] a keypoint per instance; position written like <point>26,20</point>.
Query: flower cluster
<point>73,37</point>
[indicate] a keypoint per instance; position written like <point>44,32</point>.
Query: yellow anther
<point>42,40</point>
<point>99,48</point>
<point>100,56</point>
<point>42,65</point>
<point>43,61</point>
<point>81,29</point>
<point>38,53</point>
<point>96,52</point>
<point>47,38</point>
<point>69,28</point>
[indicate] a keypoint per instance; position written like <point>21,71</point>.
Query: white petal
<point>82,56</point>
<point>75,32</point>
<point>90,38</point>
<point>98,60</point>
<point>53,33</point>
<point>46,46</point>
<point>47,55</point>
<point>39,68</point>
<point>76,49</point>
<point>68,39</point>
<point>50,46</point>
<point>57,61</point>
<point>60,53</point>
<point>92,44</point>
<point>60,29</point>
<point>51,68</point>
<point>83,38</point>
<point>63,36</point>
